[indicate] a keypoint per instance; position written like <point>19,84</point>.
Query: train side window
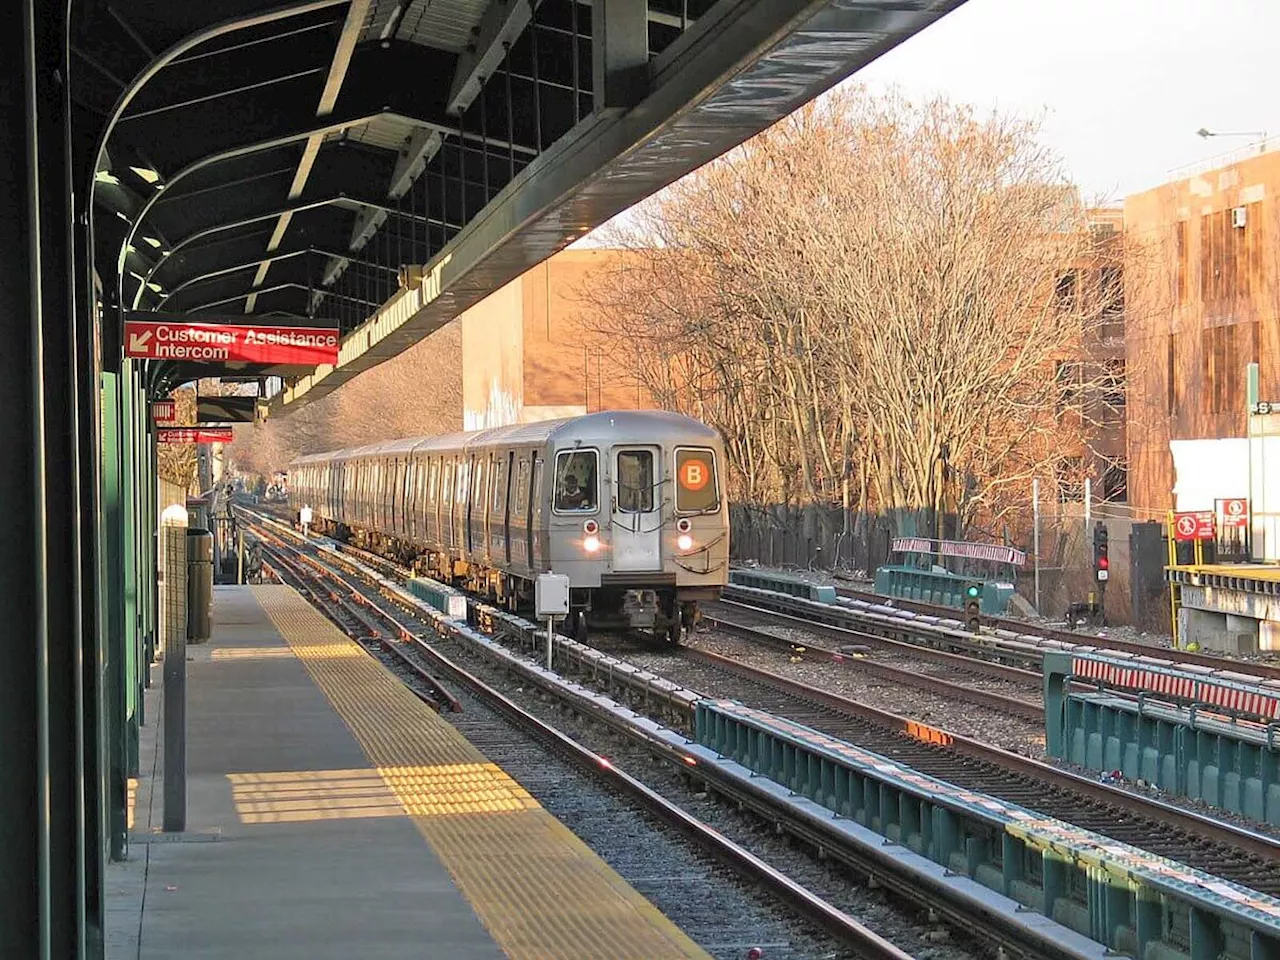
<point>635,481</point>
<point>696,488</point>
<point>460,474</point>
<point>499,485</point>
<point>477,485</point>
<point>519,506</point>
<point>576,482</point>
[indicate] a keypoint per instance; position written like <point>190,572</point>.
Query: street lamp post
<point>1260,135</point>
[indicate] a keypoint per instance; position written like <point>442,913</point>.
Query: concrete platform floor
<point>296,847</point>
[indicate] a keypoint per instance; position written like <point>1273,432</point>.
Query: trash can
<point>199,585</point>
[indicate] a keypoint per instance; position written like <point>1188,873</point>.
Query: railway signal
<point>973,607</point>
<point>1101,559</point>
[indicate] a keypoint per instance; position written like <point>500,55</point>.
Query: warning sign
<point>1194,526</point>
<point>230,343</point>
<point>1235,512</point>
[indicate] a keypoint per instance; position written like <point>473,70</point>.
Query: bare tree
<point>869,300</point>
<point>418,393</point>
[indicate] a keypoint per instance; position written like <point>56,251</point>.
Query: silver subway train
<point>630,505</point>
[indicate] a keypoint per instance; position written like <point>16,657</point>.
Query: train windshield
<point>696,488</point>
<point>576,488</point>
<point>635,481</point>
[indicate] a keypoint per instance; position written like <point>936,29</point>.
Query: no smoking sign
<point>1193,526</point>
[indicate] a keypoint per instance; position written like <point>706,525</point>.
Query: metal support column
<point>620,52</point>
<point>129,586</point>
<point>43,903</point>
<point>113,617</point>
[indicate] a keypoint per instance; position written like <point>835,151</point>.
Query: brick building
<point>1097,364</point>
<point>1202,265</point>
<point>532,350</point>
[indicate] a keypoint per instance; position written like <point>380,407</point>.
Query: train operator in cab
<point>573,496</point>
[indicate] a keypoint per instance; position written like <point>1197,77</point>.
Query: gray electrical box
<point>551,595</point>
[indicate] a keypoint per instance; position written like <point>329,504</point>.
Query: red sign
<point>163,412</point>
<point>1235,512</point>
<point>167,435</point>
<point>230,343</point>
<point>1193,526</point>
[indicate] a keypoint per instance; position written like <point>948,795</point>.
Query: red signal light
<point>1103,563</point>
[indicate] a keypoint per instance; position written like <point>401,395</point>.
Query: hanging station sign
<point>214,343</point>
<point>164,412</point>
<point>172,435</point>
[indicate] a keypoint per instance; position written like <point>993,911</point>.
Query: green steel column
<point>113,619</point>
<point>129,519</point>
<point>1206,937</point>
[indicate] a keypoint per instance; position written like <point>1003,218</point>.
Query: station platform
<point>332,814</point>
<point>1231,608</point>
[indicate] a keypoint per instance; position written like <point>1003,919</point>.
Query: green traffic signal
<point>973,590</point>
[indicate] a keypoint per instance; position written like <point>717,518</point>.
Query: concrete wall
<point>536,349</point>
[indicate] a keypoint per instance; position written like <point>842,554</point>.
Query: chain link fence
<point>822,538</point>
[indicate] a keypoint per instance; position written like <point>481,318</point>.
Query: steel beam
<point>272,289</point>
<point>619,52</point>
<point>270,258</point>
<point>737,69</point>
<point>243,150</point>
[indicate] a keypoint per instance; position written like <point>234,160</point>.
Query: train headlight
<point>591,544</point>
<point>684,524</point>
<point>684,542</point>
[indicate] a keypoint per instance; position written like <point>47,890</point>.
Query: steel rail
<point>885,671</point>
<point>866,942</point>
<point>1186,820</point>
<point>1268,671</point>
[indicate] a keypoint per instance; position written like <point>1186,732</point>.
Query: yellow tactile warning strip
<point>538,889</point>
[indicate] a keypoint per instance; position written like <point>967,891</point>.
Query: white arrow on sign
<point>138,341</point>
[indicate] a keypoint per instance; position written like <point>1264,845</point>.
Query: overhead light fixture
<point>155,288</point>
<point>106,176</point>
<point>153,241</point>
<point>147,174</point>
<point>137,276</point>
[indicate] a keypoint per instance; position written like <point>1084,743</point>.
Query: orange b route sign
<point>695,474</point>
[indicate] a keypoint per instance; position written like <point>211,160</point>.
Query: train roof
<point>593,427</point>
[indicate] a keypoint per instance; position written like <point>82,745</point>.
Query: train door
<point>636,527</point>
<point>446,501</point>
<point>537,520</point>
<point>500,538</point>
<point>462,486</point>
<point>433,501</point>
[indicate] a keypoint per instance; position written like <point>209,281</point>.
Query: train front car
<point>638,519</point>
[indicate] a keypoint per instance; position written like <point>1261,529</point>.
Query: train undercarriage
<point>663,612</point>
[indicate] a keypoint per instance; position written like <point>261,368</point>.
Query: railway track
<point>361,613</point>
<point>753,624</point>
<point>1209,844</point>
<point>1261,669</point>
